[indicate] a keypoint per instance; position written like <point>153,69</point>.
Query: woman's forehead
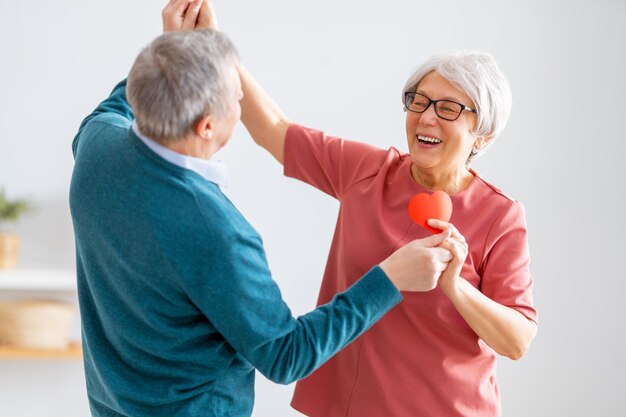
<point>435,86</point>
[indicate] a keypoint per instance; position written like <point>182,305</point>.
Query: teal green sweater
<point>178,306</point>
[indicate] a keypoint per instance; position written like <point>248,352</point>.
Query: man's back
<point>146,231</point>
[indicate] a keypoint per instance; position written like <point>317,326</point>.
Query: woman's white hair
<point>179,78</point>
<point>478,75</point>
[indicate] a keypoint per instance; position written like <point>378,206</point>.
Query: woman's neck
<point>450,182</point>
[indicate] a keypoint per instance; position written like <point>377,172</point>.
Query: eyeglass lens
<point>445,109</point>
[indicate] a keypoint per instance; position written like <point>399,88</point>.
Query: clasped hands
<point>458,248</point>
<point>186,15</point>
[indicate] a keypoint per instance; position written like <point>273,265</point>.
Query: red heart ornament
<point>437,205</point>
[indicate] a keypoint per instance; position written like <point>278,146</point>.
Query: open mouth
<point>428,140</point>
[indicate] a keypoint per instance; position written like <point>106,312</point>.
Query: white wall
<point>340,66</point>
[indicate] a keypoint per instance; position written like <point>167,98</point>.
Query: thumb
<point>436,240</point>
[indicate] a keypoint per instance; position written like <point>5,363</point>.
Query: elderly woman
<point>435,353</point>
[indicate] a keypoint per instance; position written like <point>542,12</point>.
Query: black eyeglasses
<point>444,109</point>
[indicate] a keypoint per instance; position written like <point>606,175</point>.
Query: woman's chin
<point>423,162</point>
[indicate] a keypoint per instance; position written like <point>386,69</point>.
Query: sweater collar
<point>213,171</point>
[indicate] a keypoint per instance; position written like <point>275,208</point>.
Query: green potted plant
<point>10,211</point>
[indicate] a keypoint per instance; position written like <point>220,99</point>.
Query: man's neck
<point>192,146</point>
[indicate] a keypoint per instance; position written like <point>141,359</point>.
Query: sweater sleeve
<point>115,109</point>
<point>245,305</point>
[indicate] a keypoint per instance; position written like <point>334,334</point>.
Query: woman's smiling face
<point>439,146</point>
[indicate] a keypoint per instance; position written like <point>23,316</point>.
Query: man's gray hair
<point>478,75</point>
<point>179,78</point>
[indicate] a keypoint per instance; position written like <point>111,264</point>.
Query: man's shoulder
<point>109,124</point>
<point>103,129</point>
<point>111,121</point>
<point>218,214</point>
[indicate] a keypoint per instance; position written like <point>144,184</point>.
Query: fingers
<point>441,258</point>
<point>442,254</point>
<point>457,248</point>
<point>191,15</point>
<point>175,8</point>
<point>435,240</point>
<point>172,14</point>
<point>206,17</point>
<point>168,7</point>
<point>181,15</point>
<point>440,224</point>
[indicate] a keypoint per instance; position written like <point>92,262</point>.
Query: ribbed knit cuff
<point>377,289</point>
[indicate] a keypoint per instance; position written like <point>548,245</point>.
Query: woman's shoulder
<point>485,188</point>
<point>493,200</point>
<point>506,212</point>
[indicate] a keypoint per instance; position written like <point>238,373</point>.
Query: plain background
<point>340,66</point>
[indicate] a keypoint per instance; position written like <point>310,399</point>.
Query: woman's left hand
<point>457,245</point>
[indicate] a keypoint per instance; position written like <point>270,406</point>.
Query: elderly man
<point>177,303</point>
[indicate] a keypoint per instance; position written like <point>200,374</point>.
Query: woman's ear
<point>481,142</point>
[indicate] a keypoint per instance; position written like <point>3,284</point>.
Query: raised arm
<point>265,121</point>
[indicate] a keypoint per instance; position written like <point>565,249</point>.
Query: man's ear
<point>205,128</point>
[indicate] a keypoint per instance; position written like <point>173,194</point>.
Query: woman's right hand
<point>418,265</point>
